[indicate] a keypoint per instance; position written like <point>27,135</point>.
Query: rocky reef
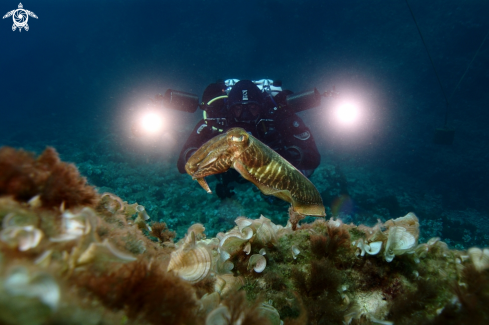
<point>71,255</point>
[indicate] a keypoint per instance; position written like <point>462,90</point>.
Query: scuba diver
<point>265,111</point>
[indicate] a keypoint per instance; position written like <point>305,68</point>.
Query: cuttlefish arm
<point>210,159</point>
<point>213,166</point>
<point>259,164</point>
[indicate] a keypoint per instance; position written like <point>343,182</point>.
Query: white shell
<point>111,205</point>
<point>247,233</point>
<point>221,316</point>
<point>9,221</point>
<point>242,222</point>
<point>398,242</point>
<point>232,241</point>
<point>262,251</point>
<point>104,251</point>
<point>433,241</point>
<point>227,266</point>
<point>266,232</point>
<point>247,248</point>
<point>360,244</point>
<point>334,223</point>
<point>210,302</point>
<point>223,263</point>
<point>20,219</point>
<point>35,202</point>
<point>409,222</point>
<point>41,285</point>
<point>226,282</point>
<point>24,238</point>
<point>191,262</point>
<point>44,259</point>
<point>223,255</point>
<point>373,248</point>
<point>480,258</point>
<point>74,225</point>
<point>295,251</point>
<point>198,230</point>
<point>257,262</point>
<point>380,322</point>
<point>142,212</point>
<point>270,313</point>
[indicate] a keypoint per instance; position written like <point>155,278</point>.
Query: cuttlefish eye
<point>240,138</point>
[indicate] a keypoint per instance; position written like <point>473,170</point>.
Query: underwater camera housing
<point>293,103</point>
<point>180,100</point>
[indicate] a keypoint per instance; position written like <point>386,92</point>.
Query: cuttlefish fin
<point>308,209</point>
<point>204,184</point>
<point>281,194</point>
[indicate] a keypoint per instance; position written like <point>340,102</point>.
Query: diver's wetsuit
<point>282,131</point>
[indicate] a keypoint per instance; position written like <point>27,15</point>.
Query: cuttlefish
<point>259,164</point>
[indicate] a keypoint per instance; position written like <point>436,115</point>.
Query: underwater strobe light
<point>151,122</point>
<point>347,113</point>
<point>148,123</point>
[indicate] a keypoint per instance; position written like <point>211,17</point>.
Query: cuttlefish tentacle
<point>204,159</point>
<point>211,149</point>
<point>259,164</point>
<point>215,166</point>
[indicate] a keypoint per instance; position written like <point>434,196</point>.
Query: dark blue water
<point>78,77</point>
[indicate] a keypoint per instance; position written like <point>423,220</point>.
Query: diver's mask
<point>246,112</point>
